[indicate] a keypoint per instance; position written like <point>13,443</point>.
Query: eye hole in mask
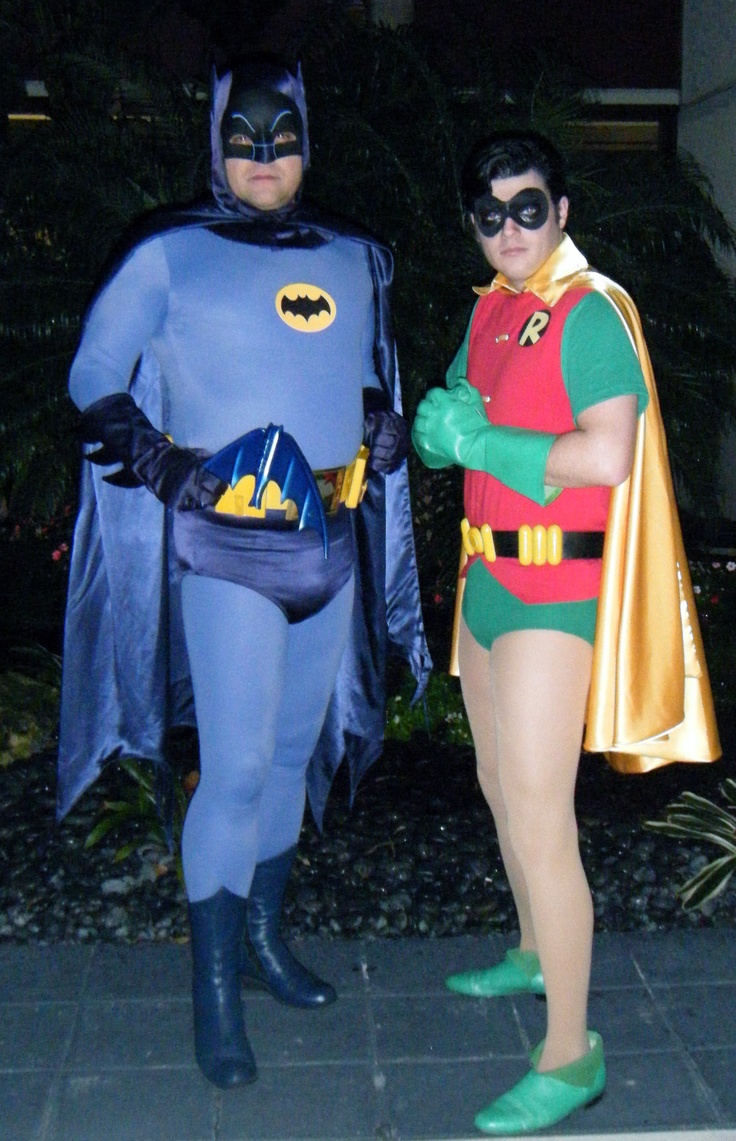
<point>282,143</point>
<point>261,126</point>
<point>529,209</point>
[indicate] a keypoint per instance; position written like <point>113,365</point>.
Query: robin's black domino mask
<point>261,125</point>
<point>529,209</point>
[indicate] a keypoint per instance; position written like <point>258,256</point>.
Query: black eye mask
<point>529,209</point>
<point>253,122</point>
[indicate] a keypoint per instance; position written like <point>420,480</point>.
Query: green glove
<point>452,428</point>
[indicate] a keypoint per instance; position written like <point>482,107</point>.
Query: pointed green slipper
<point>540,1100</point>
<point>519,973</point>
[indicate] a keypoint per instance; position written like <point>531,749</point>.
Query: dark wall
<point>613,43</point>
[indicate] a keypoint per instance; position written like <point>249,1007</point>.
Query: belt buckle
<point>330,485</point>
<point>478,540</point>
<point>540,545</point>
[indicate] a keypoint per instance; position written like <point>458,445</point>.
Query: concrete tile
<point>702,1015</point>
<point>613,965</point>
<point>286,1035</point>
<point>444,1027</point>
<point>338,961</point>
<point>319,1103</point>
<point>627,1019</point>
<point>427,1099</point>
<point>706,955</point>
<point>130,1073</point>
<point>134,1105</point>
<point>161,970</point>
<point>420,966</point>
<point>22,1101</point>
<point>644,1092</point>
<point>111,1035</point>
<point>37,974</point>
<point>717,1068</point>
<point>35,1036</point>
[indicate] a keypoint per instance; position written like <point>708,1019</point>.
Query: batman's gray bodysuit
<point>224,325</point>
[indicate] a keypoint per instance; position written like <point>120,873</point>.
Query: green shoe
<point>519,973</point>
<point>539,1100</point>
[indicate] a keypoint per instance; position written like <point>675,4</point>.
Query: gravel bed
<point>414,856</point>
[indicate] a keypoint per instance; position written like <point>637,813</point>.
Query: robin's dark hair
<point>506,154</point>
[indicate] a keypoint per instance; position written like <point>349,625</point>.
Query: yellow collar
<point>551,279</point>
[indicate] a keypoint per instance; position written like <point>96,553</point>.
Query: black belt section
<point>575,544</point>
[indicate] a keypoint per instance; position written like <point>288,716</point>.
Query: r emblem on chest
<point>534,328</point>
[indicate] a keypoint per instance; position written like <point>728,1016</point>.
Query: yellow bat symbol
<point>306,308</point>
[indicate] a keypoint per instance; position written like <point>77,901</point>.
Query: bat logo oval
<point>305,308</point>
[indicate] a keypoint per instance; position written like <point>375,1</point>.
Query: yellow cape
<point>650,700</point>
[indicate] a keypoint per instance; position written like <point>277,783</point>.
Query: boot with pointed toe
<point>267,961</point>
<point>518,973</point>
<point>541,1100</point>
<point>223,1052</point>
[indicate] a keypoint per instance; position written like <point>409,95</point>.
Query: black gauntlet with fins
<point>175,475</point>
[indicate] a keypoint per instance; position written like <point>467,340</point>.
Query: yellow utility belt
<point>338,487</point>
<point>532,546</point>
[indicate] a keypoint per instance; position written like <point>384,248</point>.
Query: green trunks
<point>490,610</point>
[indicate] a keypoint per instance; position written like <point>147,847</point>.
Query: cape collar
<point>551,279</point>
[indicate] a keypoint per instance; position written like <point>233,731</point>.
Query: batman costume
<point>218,322</point>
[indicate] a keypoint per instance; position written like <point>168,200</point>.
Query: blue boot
<point>222,1049</point>
<point>267,961</point>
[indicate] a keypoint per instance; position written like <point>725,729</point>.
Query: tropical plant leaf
<point>669,828</point>
<point>677,831</point>
<point>728,790</point>
<point>708,883</point>
<point>696,816</point>
<point>699,826</point>
<point>701,802</point>
<point>100,830</point>
<point>142,775</point>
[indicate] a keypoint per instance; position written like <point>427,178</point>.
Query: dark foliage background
<point>390,124</point>
<point>392,114</point>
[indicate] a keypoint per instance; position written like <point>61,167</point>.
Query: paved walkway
<point>96,1045</point>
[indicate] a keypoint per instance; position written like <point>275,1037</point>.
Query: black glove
<point>385,433</point>
<point>174,475</point>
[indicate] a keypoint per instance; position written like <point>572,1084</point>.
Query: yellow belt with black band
<point>535,545</point>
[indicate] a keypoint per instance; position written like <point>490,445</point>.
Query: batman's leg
<point>236,642</point>
<point>314,653</point>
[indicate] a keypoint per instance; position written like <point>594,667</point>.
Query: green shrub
<point>136,815</point>
<point>29,704</point>
<point>440,714</point>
